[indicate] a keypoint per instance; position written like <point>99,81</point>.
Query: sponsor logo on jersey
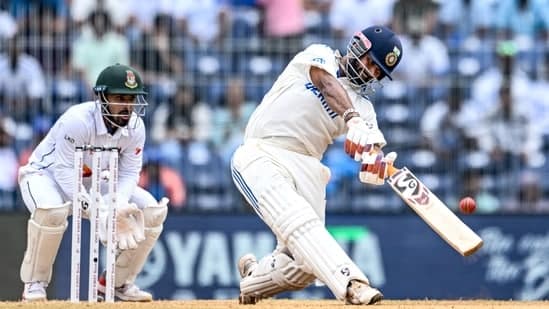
<point>69,139</point>
<point>311,87</point>
<point>319,60</point>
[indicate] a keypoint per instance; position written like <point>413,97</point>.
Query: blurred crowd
<point>467,111</point>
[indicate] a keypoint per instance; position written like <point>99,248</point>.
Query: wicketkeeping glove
<point>130,226</point>
<point>361,136</point>
<point>373,169</point>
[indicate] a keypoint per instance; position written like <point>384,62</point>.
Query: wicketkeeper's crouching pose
<point>319,96</point>
<point>47,184</point>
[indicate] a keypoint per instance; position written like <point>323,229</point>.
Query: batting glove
<point>374,167</point>
<point>361,137</point>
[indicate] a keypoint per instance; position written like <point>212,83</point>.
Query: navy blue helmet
<point>378,42</point>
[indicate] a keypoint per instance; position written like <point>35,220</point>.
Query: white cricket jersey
<point>81,125</point>
<point>294,112</point>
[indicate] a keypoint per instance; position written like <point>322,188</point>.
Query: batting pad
<point>294,222</point>
<point>42,245</point>
<point>275,274</point>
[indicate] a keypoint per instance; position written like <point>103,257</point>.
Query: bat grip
<point>391,170</point>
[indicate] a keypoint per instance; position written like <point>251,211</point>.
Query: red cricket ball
<point>467,205</point>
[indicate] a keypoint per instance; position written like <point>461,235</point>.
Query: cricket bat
<point>433,211</point>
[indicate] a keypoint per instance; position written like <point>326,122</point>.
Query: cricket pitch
<point>286,304</point>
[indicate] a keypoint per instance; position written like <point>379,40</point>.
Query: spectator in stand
<point>22,88</point>
<point>119,11</point>
<point>67,88</point>
<point>524,19</point>
<point>348,15</point>
<point>446,126</point>
<point>342,167</point>
<point>45,28</point>
<point>284,27</point>
<point>485,88</point>
<point>230,119</point>
<point>40,126</point>
<point>8,24</point>
<point>317,17</point>
<point>161,180</point>
<point>8,177</point>
<point>204,22</point>
<point>155,55</point>
<point>527,23</point>
<point>538,95</point>
<point>426,68</point>
<point>465,19</point>
<point>507,132</point>
<point>529,198</point>
<point>172,124</point>
<point>415,15</point>
<point>473,185</point>
<point>98,47</point>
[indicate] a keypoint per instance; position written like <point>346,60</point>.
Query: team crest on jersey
<point>392,57</point>
<point>137,150</point>
<point>130,79</point>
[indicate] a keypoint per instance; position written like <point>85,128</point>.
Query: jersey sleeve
<point>130,162</point>
<point>69,132</point>
<point>317,55</point>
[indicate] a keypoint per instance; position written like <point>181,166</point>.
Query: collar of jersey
<point>101,128</point>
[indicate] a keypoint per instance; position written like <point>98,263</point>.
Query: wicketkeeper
<point>47,183</point>
<point>318,97</point>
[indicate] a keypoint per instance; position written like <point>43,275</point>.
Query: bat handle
<point>391,170</point>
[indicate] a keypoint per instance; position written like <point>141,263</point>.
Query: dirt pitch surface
<point>286,304</point>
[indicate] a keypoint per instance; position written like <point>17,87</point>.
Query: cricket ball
<point>467,205</point>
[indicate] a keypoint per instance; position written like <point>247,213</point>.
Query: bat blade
<point>433,211</point>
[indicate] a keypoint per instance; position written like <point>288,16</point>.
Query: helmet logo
<point>392,57</point>
<point>130,79</point>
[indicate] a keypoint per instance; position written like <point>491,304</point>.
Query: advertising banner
<point>196,257</point>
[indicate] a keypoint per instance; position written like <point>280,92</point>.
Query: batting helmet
<point>381,44</point>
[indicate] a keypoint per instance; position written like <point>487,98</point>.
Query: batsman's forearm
<point>335,95</point>
<point>331,89</point>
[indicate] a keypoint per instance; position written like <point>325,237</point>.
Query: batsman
<point>319,96</point>
<point>47,183</point>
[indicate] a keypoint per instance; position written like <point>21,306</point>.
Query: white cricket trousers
<point>39,190</point>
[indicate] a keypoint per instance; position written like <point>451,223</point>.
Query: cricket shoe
<point>246,266</point>
<point>360,293</point>
<point>34,291</point>
<point>128,292</point>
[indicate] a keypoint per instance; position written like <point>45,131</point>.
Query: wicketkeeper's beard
<point>123,118</point>
<point>120,120</point>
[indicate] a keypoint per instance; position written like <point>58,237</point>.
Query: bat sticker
<point>410,187</point>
